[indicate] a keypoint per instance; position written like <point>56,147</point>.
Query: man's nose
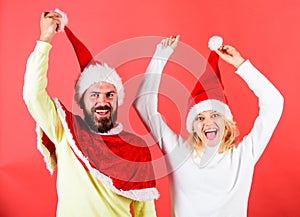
<point>101,98</point>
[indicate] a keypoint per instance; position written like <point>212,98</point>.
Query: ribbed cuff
<point>43,47</point>
<point>163,52</point>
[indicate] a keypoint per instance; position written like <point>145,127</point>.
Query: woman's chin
<point>212,143</point>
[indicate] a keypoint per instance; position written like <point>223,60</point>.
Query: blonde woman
<point>215,173</point>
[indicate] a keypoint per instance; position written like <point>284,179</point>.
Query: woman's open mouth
<point>210,134</point>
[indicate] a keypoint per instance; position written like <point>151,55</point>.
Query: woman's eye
<point>215,115</point>
<point>199,118</point>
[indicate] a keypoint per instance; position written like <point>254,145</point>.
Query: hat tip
<point>63,20</point>
<point>215,42</point>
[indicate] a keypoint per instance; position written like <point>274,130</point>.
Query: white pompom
<point>63,19</point>
<point>215,42</point>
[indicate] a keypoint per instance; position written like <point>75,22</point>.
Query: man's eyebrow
<point>112,91</point>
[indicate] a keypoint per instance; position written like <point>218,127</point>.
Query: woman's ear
<point>236,132</point>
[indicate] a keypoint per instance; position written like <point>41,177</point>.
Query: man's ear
<point>81,102</point>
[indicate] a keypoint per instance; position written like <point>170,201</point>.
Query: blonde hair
<point>228,141</point>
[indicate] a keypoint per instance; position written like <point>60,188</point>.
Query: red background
<point>267,32</point>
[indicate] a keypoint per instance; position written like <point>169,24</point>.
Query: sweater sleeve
<point>270,108</point>
<point>146,102</point>
<point>144,209</point>
<point>39,104</point>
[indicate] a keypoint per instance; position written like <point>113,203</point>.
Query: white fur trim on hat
<point>95,73</point>
<point>63,19</point>
<point>215,42</point>
<point>206,105</point>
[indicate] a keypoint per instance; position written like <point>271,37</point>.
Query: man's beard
<point>103,125</point>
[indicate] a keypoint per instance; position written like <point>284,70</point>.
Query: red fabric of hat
<point>208,93</point>
<point>92,71</point>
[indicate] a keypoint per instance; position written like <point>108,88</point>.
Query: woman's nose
<point>208,121</point>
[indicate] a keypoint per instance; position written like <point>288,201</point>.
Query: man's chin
<point>104,129</point>
<point>104,125</point>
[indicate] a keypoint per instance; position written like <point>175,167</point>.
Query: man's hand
<point>172,41</point>
<point>49,24</point>
<point>230,55</point>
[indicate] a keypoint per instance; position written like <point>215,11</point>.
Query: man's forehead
<point>103,86</point>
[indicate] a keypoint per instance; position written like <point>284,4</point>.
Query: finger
<point>177,38</point>
<point>52,14</point>
<point>228,48</point>
<point>163,42</point>
<point>57,25</point>
<point>55,21</point>
<point>172,37</point>
<point>223,52</point>
<point>224,49</point>
<point>44,14</point>
<point>174,42</point>
<point>219,52</point>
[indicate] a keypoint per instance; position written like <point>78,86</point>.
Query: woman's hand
<point>230,55</point>
<point>172,41</point>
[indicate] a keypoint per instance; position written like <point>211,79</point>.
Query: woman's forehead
<point>207,112</point>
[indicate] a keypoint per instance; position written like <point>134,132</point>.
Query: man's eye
<point>93,95</point>
<point>110,95</point>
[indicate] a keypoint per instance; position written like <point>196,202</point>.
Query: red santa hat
<point>208,93</point>
<point>92,71</point>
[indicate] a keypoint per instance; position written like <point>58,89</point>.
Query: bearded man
<point>102,169</point>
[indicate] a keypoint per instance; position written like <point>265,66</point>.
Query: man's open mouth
<point>102,110</point>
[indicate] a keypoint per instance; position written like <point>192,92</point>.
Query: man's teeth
<point>101,111</point>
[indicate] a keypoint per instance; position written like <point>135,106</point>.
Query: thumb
<point>218,52</point>
<point>175,42</point>
<point>221,53</point>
